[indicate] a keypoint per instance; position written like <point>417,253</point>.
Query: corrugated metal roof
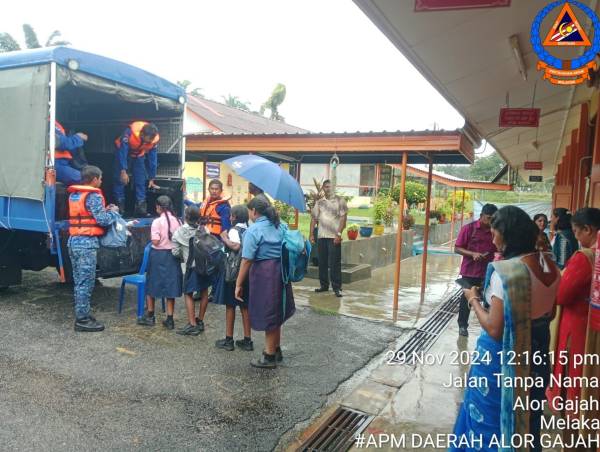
<point>306,133</point>
<point>233,121</point>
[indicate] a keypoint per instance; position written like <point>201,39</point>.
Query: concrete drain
<point>426,335</point>
<point>338,432</point>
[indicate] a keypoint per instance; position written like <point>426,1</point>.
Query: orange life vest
<point>208,212</point>
<point>138,149</point>
<point>81,220</point>
<point>61,153</point>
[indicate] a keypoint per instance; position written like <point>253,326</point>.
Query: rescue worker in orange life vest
<point>88,217</point>
<point>137,152</point>
<point>215,215</point>
<point>65,151</point>
<point>215,211</point>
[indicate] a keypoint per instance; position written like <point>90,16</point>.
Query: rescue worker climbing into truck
<point>67,149</point>
<point>136,151</point>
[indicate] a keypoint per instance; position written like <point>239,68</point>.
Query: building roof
<point>453,181</point>
<point>233,121</point>
<point>442,146</point>
<point>97,65</point>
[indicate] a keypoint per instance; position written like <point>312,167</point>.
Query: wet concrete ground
<point>373,298</point>
<point>131,388</point>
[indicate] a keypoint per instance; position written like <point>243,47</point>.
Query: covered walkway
<point>430,147</point>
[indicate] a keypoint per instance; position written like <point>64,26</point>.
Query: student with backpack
<point>225,291</point>
<point>182,242</point>
<point>269,306</point>
<point>163,276</point>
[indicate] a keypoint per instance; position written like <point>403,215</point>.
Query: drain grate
<point>338,432</point>
<point>426,335</point>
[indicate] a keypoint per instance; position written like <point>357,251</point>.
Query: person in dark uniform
<point>137,151</point>
<point>88,217</point>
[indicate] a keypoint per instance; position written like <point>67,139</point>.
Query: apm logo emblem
<point>566,32</point>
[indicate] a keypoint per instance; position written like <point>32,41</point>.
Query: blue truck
<point>91,94</point>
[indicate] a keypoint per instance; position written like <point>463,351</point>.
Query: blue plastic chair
<point>138,280</point>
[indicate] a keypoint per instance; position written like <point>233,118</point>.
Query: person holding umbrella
<point>267,177</point>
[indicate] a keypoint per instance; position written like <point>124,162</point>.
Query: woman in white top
<point>225,291</point>
<point>515,314</point>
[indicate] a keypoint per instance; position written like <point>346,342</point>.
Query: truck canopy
<point>97,65</point>
<point>94,94</point>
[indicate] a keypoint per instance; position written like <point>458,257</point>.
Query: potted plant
<point>379,228</point>
<point>382,213</point>
<point>352,231</point>
<point>366,231</point>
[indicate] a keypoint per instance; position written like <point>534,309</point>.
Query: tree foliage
<point>235,102</point>
<point>10,44</point>
<point>484,168</point>
<point>415,193</point>
<point>186,84</point>
<point>274,101</point>
<point>31,39</point>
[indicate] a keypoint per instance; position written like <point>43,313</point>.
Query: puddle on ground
<point>373,298</point>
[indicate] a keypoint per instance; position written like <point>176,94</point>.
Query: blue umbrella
<point>269,177</point>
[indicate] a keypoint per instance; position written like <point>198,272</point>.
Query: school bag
<point>233,260</point>
<point>295,253</point>
<point>207,253</point>
<point>116,234</point>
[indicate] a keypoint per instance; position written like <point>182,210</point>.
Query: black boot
<point>141,209</point>
<point>88,325</point>
<point>264,362</point>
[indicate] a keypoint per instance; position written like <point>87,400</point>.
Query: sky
<point>340,71</point>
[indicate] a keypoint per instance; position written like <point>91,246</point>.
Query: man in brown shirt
<point>331,214</point>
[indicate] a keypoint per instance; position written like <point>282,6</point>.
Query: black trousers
<point>464,309</point>
<point>330,263</point>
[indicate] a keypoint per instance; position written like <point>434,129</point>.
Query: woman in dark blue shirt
<point>269,306</point>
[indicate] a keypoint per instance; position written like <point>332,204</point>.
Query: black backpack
<point>207,252</point>
<point>234,260</point>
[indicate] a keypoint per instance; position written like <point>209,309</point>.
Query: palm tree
<point>235,102</point>
<point>185,84</point>
<point>273,103</point>
<point>10,44</point>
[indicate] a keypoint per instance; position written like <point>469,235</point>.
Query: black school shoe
<point>169,323</point>
<point>338,293</point>
<point>278,354</point>
<point>264,362</point>
<point>88,325</point>
<point>244,344</point>
<point>200,324</point>
<point>225,344</point>
<point>189,330</point>
<point>321,289</point>
<point>146,320</point>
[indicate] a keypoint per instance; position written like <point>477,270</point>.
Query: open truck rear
<point>86,93</point>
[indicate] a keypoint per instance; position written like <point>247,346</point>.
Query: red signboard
<point>519,117</point>
<point>442,5</point>
<point>532,165</point>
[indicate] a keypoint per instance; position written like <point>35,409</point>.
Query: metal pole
<point>426,228</point>
<point>453,215</point>
<point>204,180</point>
<point>399,231</point>
<point>462,210</point>
<point>296,216</point>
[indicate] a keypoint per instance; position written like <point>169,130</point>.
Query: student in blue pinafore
<point>225,291</point>
<point>261,264</point>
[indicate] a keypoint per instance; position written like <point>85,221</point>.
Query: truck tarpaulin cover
<point>24,96</point>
